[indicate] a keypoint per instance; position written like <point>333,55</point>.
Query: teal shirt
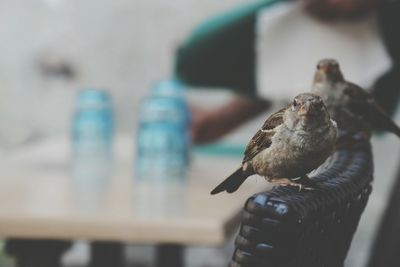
<point>220,52</point>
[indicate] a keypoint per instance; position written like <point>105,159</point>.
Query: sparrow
<point>353,108</point>
<point>291,143</point>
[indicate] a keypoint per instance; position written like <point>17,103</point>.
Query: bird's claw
<point>300,186</point>
<point>287,182</point>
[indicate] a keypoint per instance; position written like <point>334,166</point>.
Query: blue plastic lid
<point>168,88</point>
<point>93,98</point>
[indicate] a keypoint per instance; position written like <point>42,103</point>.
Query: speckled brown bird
<point>353,108</point>
<point>291,143</point>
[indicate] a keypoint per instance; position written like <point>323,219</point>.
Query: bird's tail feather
<point>396,130</point>
<point>387,124</point>
<point>232,183</point>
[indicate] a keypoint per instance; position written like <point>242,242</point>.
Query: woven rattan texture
<point>287,228</point>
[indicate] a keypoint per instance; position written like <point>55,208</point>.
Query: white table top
<point>39,199</point>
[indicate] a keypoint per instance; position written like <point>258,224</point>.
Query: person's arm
<point>210,125</point>
<point>387,88</point>
<point>340,9</point>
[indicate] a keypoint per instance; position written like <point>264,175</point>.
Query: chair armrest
<point>284,227</point>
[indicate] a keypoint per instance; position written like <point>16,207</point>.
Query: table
<point>40,201</point>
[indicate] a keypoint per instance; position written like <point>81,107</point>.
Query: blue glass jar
<point>162,136</point>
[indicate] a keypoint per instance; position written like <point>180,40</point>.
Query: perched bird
<point>354,109</point>
<point>291,143</point>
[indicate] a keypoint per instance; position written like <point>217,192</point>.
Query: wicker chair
<point>285,227</point>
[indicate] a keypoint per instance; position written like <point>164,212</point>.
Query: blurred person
<point>223,53</point>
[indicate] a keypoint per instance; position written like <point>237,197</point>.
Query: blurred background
<point>51,49</point>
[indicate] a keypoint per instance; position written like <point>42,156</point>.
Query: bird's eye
<point>295,103</point>
<point>318,66</point>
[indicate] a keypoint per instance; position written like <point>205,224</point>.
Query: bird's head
<point>306,108</point>
<point>328,70</point>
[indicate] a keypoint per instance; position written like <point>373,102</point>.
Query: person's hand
<point>210,125</point>
<point>340,9</point>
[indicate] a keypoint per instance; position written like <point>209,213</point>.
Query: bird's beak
<point>324,69</point>
<point>311,109</point>
<point>304,109</point>
<point>328,69</point>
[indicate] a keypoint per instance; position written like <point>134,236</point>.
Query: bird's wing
<point>364,105</point>
<point>262,139</point>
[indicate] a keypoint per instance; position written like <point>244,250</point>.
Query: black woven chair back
<point>286,227</point>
